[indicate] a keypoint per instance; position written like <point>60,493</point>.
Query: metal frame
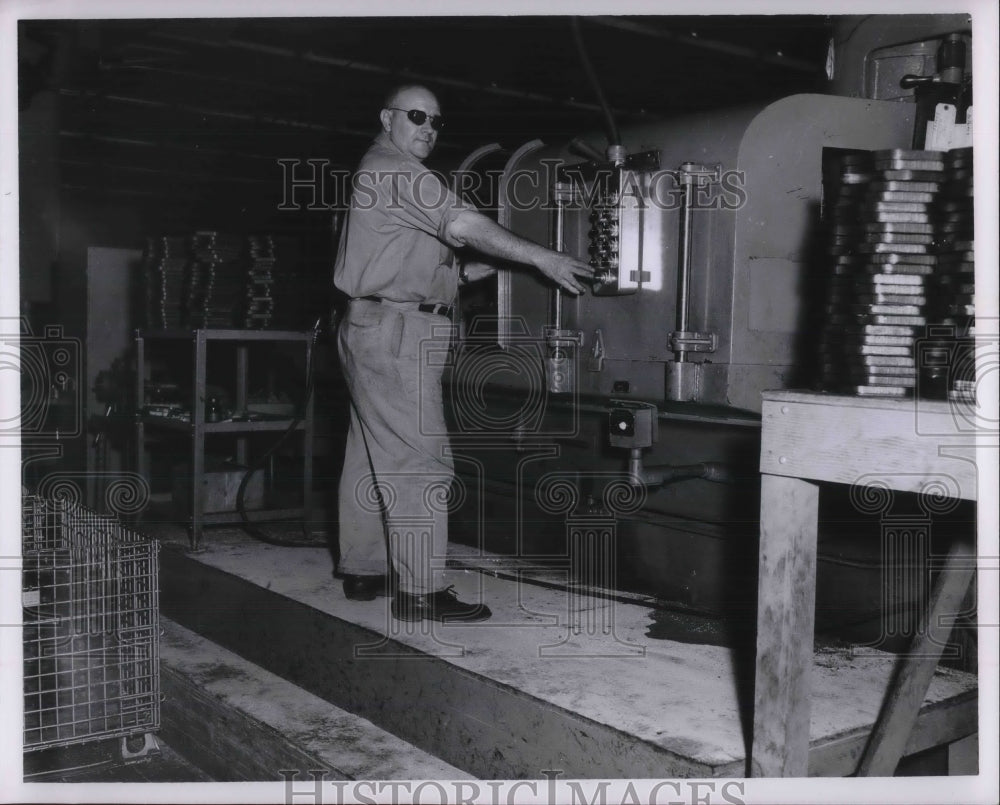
<point>90,596</point>
<point>199,428</point>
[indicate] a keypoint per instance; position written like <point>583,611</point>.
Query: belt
<point>439,309</point>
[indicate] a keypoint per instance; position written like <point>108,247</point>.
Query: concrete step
<point>241,723</point>
<point>572,683</point>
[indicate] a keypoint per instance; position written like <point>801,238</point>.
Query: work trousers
<point>398,471</point>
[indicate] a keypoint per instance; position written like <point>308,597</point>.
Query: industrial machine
<point>639,402</point>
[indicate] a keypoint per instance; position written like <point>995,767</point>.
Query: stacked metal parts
<point>218,272</point>
<point>898,262</point>
<point>166,280</point>
<point>259,308</point>
<point>952,308</point>
<point>91,626</point>
<point>216,280</point>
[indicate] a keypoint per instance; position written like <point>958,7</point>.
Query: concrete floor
<point>649,705</point>
<point>102,763</point>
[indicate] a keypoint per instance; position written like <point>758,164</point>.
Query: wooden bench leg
<point>909,687</point>
<point>786,613</point>
<point>963,755</point>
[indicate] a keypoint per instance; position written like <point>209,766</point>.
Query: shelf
<point>197,430</point>
<point>210,334</point>
<point>253,515</point>
<point>260,426</point>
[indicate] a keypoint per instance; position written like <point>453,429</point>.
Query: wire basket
<point>90,593</point>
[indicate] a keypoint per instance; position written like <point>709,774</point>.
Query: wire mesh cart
<point>90,595</point>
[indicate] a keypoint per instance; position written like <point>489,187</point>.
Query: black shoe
<point>442,606</point>
<point>363,588</point>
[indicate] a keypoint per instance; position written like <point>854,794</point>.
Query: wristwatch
<point>463,277</point>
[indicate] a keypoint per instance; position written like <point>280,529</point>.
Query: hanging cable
<point>247,524</point>
<point>614,137</point>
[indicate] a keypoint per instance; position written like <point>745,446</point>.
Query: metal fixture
<point>562,344</point>
<point>683,376</point>
<point>633,425</point>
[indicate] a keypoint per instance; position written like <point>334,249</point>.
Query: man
<point>394,262</point>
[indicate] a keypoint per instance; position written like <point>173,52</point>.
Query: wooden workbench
<point>878,445</point>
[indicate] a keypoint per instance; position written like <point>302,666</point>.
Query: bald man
<point>394,261</point>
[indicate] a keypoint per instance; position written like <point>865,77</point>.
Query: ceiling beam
<point>208,111</point>
<point>105,166</point>
<point>329,60</point>
<point>715,45</point>
<point>132,141</point>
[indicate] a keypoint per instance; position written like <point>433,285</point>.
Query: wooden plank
<point>938,724</point>
<point>907,692</point>
<point>786,603</point>
<point>963,755</point>
<point>899,447</point>
<point>847,401</point>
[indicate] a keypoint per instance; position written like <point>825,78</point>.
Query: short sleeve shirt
<point>394,243</point>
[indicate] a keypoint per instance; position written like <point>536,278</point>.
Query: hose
<point>247,525</point>
<point>614,137</point>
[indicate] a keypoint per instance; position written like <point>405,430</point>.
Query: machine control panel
<point>603,235</point>
<point>614,201</point>
<point>614,240</point>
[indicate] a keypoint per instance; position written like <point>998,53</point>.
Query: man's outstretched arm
<point>475,230</point>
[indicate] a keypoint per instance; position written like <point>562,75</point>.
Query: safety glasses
<point>418,116</point>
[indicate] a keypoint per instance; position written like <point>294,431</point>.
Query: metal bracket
<point>563,338</point>
<point>595,362</point>
<point>693,342</point>
<point>699,175</point>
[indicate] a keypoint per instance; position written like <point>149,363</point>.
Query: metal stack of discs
<point>954,282</point>
<point>258,310</point>
<point>165,275</point>
<point>219,265</point>
<point>878,205</point>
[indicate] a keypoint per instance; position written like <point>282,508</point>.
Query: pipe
<point>684,265</point>
<point>668,474</point>
<point>558,246</point>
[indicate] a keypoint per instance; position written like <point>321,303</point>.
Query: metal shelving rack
<point>199,428</point>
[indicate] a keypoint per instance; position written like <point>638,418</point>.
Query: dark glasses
<point>418,116</point>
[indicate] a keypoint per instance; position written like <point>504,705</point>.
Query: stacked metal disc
<point>258,311</point>
<point>953,311</point>
<point>165,275</point>
<point>879,209</point>
<point>220,268</point>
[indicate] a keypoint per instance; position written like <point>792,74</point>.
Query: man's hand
<point>565,270</point>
